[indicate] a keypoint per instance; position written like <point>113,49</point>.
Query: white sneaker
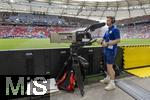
<point>105,80</point>
<point>110,86</point>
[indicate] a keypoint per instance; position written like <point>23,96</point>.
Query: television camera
<point>75,62</point>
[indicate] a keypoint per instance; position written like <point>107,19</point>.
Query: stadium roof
<point>90,9</point>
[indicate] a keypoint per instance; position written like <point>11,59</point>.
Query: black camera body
<point>82,38</point>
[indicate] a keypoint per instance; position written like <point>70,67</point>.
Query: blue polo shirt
<point>112,33</point>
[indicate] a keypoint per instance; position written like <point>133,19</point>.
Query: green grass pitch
<point>15,44</point>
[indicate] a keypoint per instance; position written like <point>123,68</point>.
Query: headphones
<point>113,20</point>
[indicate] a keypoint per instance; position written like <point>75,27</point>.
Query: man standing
<point>109,42</point>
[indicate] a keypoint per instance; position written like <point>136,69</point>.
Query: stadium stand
<point>23,25</point>
<point>10,31</point>
<point>138,27</point>
<point>37,19</point>
<point>136,31</point>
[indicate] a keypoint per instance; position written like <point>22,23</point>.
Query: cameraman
<point>109,42</point>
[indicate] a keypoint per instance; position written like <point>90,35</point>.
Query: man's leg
<point>111,73</point>
<point>106,80</point>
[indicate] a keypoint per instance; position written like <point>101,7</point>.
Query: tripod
<point>77,64</point>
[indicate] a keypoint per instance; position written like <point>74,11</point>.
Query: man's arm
<point>113,42</point>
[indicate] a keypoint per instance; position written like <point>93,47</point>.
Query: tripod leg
<point>64,68</point>
<point>78,75</point>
